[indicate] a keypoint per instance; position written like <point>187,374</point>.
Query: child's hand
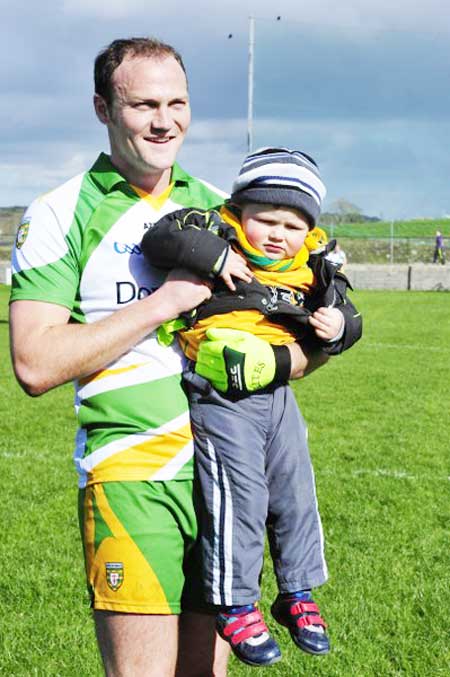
<point>327,322</point>
<point>235,266</point>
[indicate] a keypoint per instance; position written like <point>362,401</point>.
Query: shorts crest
<point>114,574</point>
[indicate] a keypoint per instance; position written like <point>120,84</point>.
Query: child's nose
<point>277,232</point>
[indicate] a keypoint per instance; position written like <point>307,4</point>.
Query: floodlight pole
<point>251,50</point>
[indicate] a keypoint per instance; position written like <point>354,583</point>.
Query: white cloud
<point>395,167</point>
<point>25,179</point>
<point>106,9</point>
<point>48,131</point>
<point>364,15</point>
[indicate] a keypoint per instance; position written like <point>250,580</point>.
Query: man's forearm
<point>47,351</point>
<point>305,360</point>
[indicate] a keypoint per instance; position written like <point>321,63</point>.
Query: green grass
<point>416,228</point>
<point>379,435</point>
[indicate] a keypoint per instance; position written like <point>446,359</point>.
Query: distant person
<point>337,255</point>
<point>439,249</point>
<point>251,452</point>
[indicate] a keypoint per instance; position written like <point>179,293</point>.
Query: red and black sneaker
<point>244,629</point>
<point>300,614</point>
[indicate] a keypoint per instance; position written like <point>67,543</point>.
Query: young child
<point>251,451</point>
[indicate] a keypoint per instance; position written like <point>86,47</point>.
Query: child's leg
<point>229,440</point>
<point>294,526</point>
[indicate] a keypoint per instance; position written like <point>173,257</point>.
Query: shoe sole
<point>313,652</point>
<point>245,660</point>
<point>258,665</point>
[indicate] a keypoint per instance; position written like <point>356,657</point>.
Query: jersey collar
<point>108,178</point>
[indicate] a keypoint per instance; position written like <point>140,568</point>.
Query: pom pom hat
<point>282,177</point>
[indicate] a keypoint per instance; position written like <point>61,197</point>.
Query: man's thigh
<point>135,537</point>
<point>136,645</point>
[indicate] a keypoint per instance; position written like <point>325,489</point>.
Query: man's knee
<point>198,638</point>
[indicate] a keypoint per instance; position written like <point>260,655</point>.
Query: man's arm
<point>48,351</point>
<point>305,360</point>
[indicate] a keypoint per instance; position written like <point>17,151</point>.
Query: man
<point>337,255</point>
<point>85,307</point>
<point>439,251</point>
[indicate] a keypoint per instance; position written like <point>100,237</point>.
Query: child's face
<point>277,232</point>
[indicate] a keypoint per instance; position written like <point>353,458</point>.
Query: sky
<point>362,86</point>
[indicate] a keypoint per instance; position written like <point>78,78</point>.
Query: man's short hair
<point>112,56</point>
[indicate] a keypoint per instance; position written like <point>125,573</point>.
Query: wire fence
<point>388,250</point>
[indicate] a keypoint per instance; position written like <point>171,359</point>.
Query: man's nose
<point>161,119</point>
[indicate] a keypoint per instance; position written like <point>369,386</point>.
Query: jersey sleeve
<point>187,238</point>
<point>44,259</point>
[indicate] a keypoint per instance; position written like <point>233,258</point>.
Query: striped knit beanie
<point>282,177</point>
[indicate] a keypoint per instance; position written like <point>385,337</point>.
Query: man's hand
<point>236,362</point>
<point>185,291</point>
<point>235,266</point>
<point>328,323</point>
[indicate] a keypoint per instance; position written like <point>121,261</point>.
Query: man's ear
<point>101,109</point>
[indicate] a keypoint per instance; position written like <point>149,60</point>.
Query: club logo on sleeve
<point>22,233</point>
<point>114,575</point>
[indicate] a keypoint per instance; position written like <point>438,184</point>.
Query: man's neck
<point>153,184</point>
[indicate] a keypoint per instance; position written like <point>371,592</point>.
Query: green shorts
<point>137,539</point>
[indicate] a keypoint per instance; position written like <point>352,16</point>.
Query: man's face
<point>148,117</point>
<point>277,232</point>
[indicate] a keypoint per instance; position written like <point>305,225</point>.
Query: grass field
<point>416,228</point>
<point>379,436</point>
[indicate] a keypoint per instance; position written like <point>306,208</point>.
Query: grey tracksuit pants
<point>253,463</point>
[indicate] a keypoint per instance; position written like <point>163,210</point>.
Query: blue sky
<point>362,86</point>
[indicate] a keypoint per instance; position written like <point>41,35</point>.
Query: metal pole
<point>251,49</point>
<point>392,242</point>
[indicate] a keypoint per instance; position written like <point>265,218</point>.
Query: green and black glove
<point>238,363</point>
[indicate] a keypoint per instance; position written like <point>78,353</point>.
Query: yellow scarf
<point>291,273</point>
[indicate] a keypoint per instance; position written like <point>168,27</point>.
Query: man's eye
<point>144,105</point>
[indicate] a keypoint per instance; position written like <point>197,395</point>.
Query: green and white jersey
<point>78,246</point>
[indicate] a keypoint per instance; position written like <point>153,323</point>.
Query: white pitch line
<point>393,474</point>
<point>377,472</point>
<point>400,346</point>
